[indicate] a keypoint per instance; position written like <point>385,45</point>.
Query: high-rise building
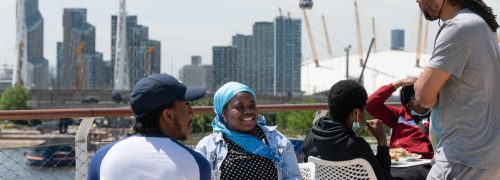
<point>196,74</point>
<point>195,60</point>
<point>33,68</point>
<point>6,74</point>
<point>398,39</point>
<point>209,77</point>
<point>94,71</point>
<point>263,33</point>
<point>79,33</point>
<point>287,53</point>
<point>59,66</point>
<point>224,65</point>
<point>138,43</point>
<point>269,61</point>
<point>244,44</point>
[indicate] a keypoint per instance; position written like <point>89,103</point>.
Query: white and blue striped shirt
<point>148,157</point>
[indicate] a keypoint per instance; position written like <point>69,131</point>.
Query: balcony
<point>30,160</point>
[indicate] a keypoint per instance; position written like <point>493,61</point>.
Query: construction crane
<point>79,66</point>
<point>328,45</point>
<point>150,61</point>
<point>20,63</point>
<point>307,4</point>
<point>358,34</point>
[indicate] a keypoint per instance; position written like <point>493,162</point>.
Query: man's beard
<point>426,8</point>
<point>429,17</point>
<point>177,126</point>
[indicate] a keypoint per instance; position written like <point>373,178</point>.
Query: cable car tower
<point>307,4</point>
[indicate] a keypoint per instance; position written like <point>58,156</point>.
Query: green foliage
<point>202,123</point>
<point>14,98</point>
<point>294,122</point>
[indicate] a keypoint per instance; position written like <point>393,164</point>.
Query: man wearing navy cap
<point>163,116</point>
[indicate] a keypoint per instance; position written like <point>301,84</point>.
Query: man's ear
<point>168,115</point>
<point>354,113</point>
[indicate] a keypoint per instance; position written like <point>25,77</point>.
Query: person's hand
<point>404,82</point>
<point>376,127</point>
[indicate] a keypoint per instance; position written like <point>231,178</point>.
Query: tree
<point>14,98</point>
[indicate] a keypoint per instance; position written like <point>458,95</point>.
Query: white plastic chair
<point>307,170</point>
<point>356,169</point>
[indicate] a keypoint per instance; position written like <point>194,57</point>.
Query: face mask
<point>355,124</point>
<point>421,115</point>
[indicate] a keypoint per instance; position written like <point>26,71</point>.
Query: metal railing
<point>88,116</point>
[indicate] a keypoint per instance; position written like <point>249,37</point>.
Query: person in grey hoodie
<point>332,138</point>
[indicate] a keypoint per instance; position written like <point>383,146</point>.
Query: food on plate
<point>414,155</point>
<point>394,156</point>
<point>400,153</point>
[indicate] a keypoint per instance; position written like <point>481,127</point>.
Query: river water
<point>13,165</point>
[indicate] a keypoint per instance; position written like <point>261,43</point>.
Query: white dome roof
<point>382,68</point>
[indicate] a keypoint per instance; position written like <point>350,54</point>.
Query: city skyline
<point>191,27</point>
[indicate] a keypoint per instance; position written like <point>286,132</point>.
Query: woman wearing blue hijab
<point>241,145</point>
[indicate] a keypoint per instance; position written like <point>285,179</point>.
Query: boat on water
<point>51,155</point>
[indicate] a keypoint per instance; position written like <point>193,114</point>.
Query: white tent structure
<point>382,68</point>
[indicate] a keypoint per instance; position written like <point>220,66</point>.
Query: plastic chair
<point>307,170</point>
<point>356,169</point>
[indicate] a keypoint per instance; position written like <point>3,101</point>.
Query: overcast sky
<point>192,27</point>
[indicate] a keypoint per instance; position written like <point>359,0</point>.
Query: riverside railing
<point>88,116</point>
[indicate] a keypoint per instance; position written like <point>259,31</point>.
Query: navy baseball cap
<point>156,90</point>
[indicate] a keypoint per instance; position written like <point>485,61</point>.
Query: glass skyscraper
<point>224,65</point>
<point>287,53</point>
<point>77,32</point>
<point>38,67</point>
<point>263,33</point>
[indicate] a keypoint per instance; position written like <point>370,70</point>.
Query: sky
<point>191,27</point>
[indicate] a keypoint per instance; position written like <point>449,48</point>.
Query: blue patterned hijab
<point>248,142</point>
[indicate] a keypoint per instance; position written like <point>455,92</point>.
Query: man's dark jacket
<point>334,141</point>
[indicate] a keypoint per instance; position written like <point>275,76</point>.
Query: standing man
<point>462,86</point>
<point>163,116</point>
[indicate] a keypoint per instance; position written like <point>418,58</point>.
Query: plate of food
<point>399,155</point>
<point>413,157</point>
<point>396,162</point>
<point>396,157</point>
